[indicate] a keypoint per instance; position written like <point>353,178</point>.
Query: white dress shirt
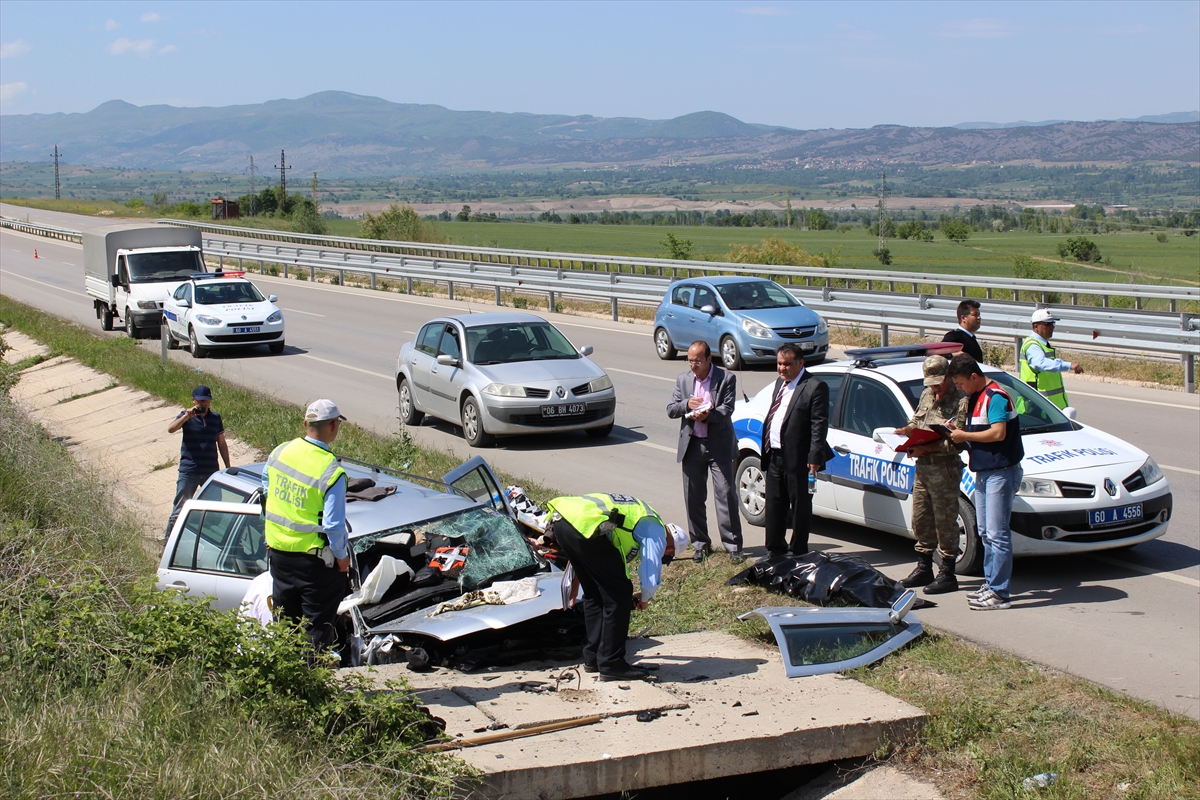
<point>785,400</point>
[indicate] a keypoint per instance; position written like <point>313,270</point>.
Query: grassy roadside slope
<point>994,719</point>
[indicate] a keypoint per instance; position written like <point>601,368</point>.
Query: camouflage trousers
<point>935,506</point>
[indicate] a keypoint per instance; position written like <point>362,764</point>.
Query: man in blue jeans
<point>203,439</point>
<point>993,434</point>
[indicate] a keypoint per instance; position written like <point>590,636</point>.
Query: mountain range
<point>339,133</point>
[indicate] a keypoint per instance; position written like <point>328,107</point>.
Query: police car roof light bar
<point>208,276</point>
<point>871,355</point>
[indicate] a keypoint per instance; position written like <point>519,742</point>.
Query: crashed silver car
<point>443,549</point>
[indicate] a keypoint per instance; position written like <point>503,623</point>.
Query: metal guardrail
<point>662,267</point>
<point>1118,329</point>
<point>48,231</point>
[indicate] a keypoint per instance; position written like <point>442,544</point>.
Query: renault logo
<point>561,392</point>
<point>1110,487</point>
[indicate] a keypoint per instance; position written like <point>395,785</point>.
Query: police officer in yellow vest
<point>1040,367</point>
<point>305,526</point>
<point>601,534</point>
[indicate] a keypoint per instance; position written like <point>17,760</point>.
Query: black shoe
<point>946,582</point>
<point>590,667</point>
<point>699,554</point>
<point>630,674</point>
<point>775,558</point>
<point>921,576</point>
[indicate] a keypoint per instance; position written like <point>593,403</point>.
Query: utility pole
<point>252,197</point>
<point>883,212</point>
<point>283,168</point>
<point>314,187</point>
<point>57,185</point>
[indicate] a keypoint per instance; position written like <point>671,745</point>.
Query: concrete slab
<point>728,710</point>
<point>42,388</point>
<point>21,347</point>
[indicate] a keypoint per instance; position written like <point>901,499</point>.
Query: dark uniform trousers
<point>788,505</point>
<point>305,589</point>
<point>607,595</point>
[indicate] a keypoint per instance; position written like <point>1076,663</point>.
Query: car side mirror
<point>586,350</point>
<point>185,303</point>
<point>272,298</point>
<point>711,310</point>
<point>902,606</point>
<point>115,279</point>
<point>1070,413</point>
<point>447,360</point>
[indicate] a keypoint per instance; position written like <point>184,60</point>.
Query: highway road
<point>1129,620</point>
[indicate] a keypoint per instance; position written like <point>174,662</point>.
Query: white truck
<point>129,270</point>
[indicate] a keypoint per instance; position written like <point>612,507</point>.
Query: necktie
<point>770,417</point>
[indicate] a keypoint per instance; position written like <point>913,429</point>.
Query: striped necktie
<point>770,417</point>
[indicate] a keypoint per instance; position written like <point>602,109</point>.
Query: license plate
<point>254,329</point>
<point>1115,516</point>
<point>808,347</point>
<point>563,411</point>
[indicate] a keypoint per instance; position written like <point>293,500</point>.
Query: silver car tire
<point>731,359</point>
<point>131,328</point>
<point>664,346</point>
<point>751,485</point>
<point>194,345</point>
<point>166,334</point>
<point>970,548</point>
<point>409,415</point>
<point>472,424</point>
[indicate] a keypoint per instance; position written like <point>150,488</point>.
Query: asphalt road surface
<point>1126,619</point>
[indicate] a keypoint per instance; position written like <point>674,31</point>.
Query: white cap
<point>1043,315</point>
<point>679,535</point>
<point>321,411</point>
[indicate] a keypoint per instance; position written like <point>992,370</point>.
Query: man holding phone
<point>203,440</point>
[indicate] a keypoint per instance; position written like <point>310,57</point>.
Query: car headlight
<point>1150,472</point>
<point>504,390</point>
<point>600,384</point>
<point>205,319</point>
<point>822,328</point>
<point>276,317</point>
<point>756,329</point>
<point>1036,487</point>
<point>147,304</point>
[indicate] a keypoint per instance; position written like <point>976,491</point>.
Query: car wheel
<point>276,347</point>
<point>409,415</point>
<point>601,432</point>
<point>194,345</point>
<point>131,327</point>
<point>730,357</point>
<point>751,486</point>
<point>970,548</point>
<point>166,334</point>
<point>472,424</point>
<point>664,346</point>
<point>106,319</point>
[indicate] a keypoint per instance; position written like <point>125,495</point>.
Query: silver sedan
<point>496,374</point>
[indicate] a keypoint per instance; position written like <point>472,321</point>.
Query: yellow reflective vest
<point>587,512</point>
<point>299,473</point>
<point>1050,384</point>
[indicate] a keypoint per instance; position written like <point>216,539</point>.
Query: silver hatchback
<point>497,374</point>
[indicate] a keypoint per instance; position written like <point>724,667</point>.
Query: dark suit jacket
<point>805,426</point>
<point>970,343</point>
<point>722,444</point>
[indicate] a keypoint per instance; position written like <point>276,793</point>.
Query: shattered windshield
<point>171,265</point>
<point>495,548</point>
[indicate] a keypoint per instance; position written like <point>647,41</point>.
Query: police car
<point>1083,489</point>
<point>221,309</point>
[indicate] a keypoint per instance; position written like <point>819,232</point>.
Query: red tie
<point>771,416</point>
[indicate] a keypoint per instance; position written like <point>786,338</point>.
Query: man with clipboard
<point>938,472</point>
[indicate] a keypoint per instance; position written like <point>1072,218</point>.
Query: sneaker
<point>975,594</point>
<point>699,554</point>
<point>989,602</point>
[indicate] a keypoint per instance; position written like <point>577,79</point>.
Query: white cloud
<point>10,90</point>
<point>111,25</point>
<point>168,49</point>
<point>765,11</point>
<point>152,16</point>
<point>979,28</point>
<point>10,49</point>
<point>122,46</point>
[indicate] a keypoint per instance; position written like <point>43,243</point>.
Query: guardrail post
<point>341,277</point>
<point>372,279</point>
<point>1172,305</point>
<point>241,268</point>
<point>285,269</point>
<point>410,284</point>
<point>551,304</point>
<point>1137,303</point>
<point>1075,298</point>
<point>615,311</point>
<point>883,335</point>
<point>220,263</point>
<point>1017,353</point>
<point>1189,373</point>
<point>450,284</point>
<point>262,267</point>
<point>989,293</point>
<point>1106,301</point>
<point>497,294</point>
<point>312,274</point>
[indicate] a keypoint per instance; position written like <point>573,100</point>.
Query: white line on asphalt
<point>1171,576</point>
<point>388,378</point>
<point>41,283</point>
<point>306,313</point>
<point>1134,400</point>
<point>599,328</point>
<point>1180,469</point>
<point>639,374</point>
<point>644,443</point>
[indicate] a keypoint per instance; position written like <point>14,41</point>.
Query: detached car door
<point>475,477</point>
<point>215,549</point>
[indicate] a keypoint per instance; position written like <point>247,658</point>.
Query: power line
<point>57,185</point>
<point>283,168</point>
<point>252,197</point>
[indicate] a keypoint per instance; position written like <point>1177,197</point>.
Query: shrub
<point>774,251</point>
<point>1080,248</point>
<point>400,224</point>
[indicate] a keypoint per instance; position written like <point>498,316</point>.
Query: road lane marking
<point>1171,576</point>
<point>644,443</point>
<point>1180,469</point>
<point>639,374</point>
<point>306,313</point>
<point>41,283</point>
<point>1134,400</point>
<point>388,378</point>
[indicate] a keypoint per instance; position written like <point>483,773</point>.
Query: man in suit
<point>969,321</point>
<point>793,447</point>
<point>703,401</point>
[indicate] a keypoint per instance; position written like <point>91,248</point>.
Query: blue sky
<point>803,65</point>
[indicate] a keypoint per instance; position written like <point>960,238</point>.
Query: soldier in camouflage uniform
<point>938,472</point>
